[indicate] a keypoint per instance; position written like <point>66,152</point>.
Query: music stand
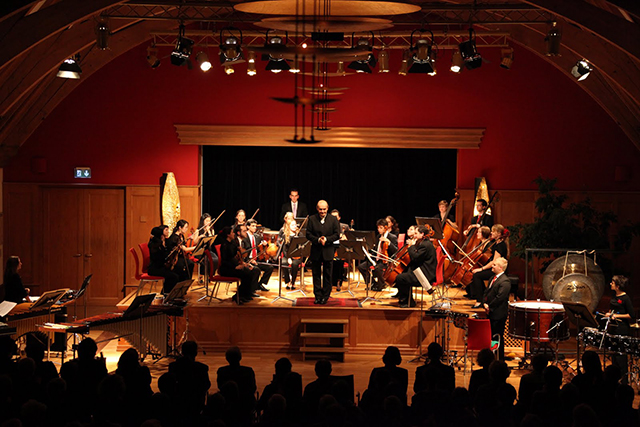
<point>367,237</point>
<point>279,258</point>
<point>178,293</point>
<point>202,245</point>
<point>139,306</point>
<point>434,223</point>
<point>580,315</point>
<point>300,247</point>
<point>350,250</point>
<point>48,299</point>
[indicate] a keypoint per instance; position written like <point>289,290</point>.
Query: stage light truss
<point>391,40</point>
<point>433,13</point>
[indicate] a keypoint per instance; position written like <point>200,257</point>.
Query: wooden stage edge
<point>275,327</point>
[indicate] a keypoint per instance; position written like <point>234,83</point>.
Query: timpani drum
<point>538,321</point>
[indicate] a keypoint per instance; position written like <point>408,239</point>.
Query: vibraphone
<point>26,321</point>
<point>148,334</point>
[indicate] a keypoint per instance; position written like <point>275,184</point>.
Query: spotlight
<point>70,69</point>
<point>364,65</point>
<point>340,69</point>
<point>183,49</point>
<point>404,66</point>
<point>507,58</point>
<point>228,68</point>
<point>553,39</point>
<point>422,58</point>
<point>457,62</point>
<point>231,47</point>
<point>472,58</point>
<point>152,56</point>
<point>581,70</point>
<point>276,63</point>
<point>296,66</point>
<point>203,61</point>
<point>251,63</point>
<point>383,61</point>
<point>102,35</point>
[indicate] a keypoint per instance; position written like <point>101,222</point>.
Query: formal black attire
<point>158,254</point>
<point>192,378</point>
<point>300,212</point>
<point>477,283</point>
<point>621,305</point>
<point>184,265</point>
<point>433,376</point>
<point>245,379</point>
<point>450,217</point>
<point>377,283</point>
<point>482,220</point>
<point>252,247</point>
<point>389,380</point>
<point>228,262</point>
<point>322,256</point>
<point>497,297</point>
<point>14,290</point>
<point>423,256</point>
<point>290,266</point>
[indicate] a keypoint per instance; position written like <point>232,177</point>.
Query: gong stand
<point>579,315</point>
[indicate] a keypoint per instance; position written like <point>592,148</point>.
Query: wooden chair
<point>141,275</point>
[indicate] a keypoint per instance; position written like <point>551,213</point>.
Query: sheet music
<point>6,307</point>
<point>422,279</point>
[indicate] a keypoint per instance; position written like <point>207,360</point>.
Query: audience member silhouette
<point>531,382</point>
<point>435,375</point>
<point>45,369</point>
<point>137,379</point>
<point>480,377</point>
<point>546,403</point>
<point>192,380</point>
<point>590,380</point>
<point>390,379</point>
<point>318,388</point>
<point>494,401</point>
<point>280,383</point>
<point>243,377</point>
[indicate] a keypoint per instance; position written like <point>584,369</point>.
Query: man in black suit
<point>232,266</point>
<point>423,258</point>
<point>384,237</point>
<point>435,375</point>
<point>244,378</point>
<point>253,243</point>
<point>298,208</point>
<point>482,219</point>
<point>192,379</point>
<point>322,231</point>
<point>496,301</point>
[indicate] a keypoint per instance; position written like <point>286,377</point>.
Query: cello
<point>477,258</point>
<point>399,263</point>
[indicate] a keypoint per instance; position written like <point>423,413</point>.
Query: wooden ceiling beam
<point>629,6</point>
<point>618,31</point>
<point>29,31</point>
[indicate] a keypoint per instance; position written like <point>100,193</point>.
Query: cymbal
<point>577,287</point>
<point>297,100</point>
<point>338,7</point>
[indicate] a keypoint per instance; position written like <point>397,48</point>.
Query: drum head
<point>577,287</point>
<point>575,264</point>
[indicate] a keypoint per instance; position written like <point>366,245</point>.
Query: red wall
<point>120,121</point>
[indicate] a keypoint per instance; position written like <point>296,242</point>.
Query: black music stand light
<point>366,237</point>
<point>48,299</point>
<point>350,250</point>
<point>434,223</point>
<point>580,315</point>
<point>300,247</point>
<point>139,306</point>
<point>178,293</point>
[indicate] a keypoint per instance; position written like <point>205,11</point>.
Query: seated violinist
<point>499,249</point>
<point>205,230</point>
<point>159,262</point>
<point>254,244</point>
<point>385,247</point>
<point>338,272</point>
<point>232,265</point>
<point>422,256</point>
<point>241,217</point>
<point>290,265</point>
<point>177,242</point>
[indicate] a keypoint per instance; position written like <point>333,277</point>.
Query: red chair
<point>146,256</point>
<point>478,337</point>
<point>141,274</point>
<point>216,278</point>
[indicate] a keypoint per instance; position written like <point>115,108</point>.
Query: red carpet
<point>333,302</point>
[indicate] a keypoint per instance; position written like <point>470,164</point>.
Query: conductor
<point>322,231</point>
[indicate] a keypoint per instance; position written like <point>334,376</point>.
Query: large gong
<point>574,283</point>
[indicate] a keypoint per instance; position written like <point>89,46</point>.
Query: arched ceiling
<point>37,36</point>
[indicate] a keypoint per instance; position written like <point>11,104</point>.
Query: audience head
<point>392,356</point>
<point>434,351</point>
<point>591,362</point>
<point>323,368</point>
<point>189,349</point>
<point>128,359</point>
<point>584,416</point>
<point>539,362</point>
<point>283,366</point>
<point>233,355</point>
<point>35,349</point>
<point>612,374</point>
<point>499,371</point>
<point>485,357</point>
<point>87,349</point>
<point>277,405</point>
<point>552,377</point>
<point>624,396</point>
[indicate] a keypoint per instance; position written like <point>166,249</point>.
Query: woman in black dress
<point>158,255</point>
<point>14,290</point>
<point>621,314</point>
<point>184,266</point>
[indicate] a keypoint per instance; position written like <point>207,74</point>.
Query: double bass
<point>472,240</point>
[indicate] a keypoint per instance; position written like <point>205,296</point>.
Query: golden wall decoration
<point>170,201</point>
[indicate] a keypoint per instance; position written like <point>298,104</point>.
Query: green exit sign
<point>82,173</point>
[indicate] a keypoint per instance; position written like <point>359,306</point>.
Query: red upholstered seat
<point>141,275</point>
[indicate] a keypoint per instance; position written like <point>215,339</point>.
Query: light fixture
<point>228,68</point>
<point>251,63</point>
<point>70,69</point>
<point>553,39</point>
<point>182,51</point>
<point>423,56</point>
<point>404,65</point>
<point>456,62</point>
<point>363,65</point>
<point>296,65</point>
<point>231,46</point>
<point>341,70</point>
<point>152,56</point>
<point>581,70</point>
<point>202,59</point>
<point>102,34</point>
<point>507,58</point>
<point>276,63</point>
<point>470,55</point>
<point>383,61</point>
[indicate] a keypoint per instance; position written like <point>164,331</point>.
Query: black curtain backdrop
<point>363,184</point>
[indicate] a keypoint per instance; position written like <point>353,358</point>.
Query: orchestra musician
<point>251,243</point>
<point>496,301</point>
<point>482,218</point>
<point>295,206</point>
<point>423,257</point>
<point>177,242</point>
<point>393,224</point>
<point>287,232</point>
<point>480,274</point>
<point>205,229</point>
<point>621,315</point>
<point>240,218</point>
<point>232,265</point>
<point>384,238</point>
<point>158,258</point>
<point>338,274</point>
<point>12,289</point>
<point>443,205</point>
<point>322,231</point>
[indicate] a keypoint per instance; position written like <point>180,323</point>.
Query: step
<point>324,335</point>
<point>323,350</point>
<point>327,321</point>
